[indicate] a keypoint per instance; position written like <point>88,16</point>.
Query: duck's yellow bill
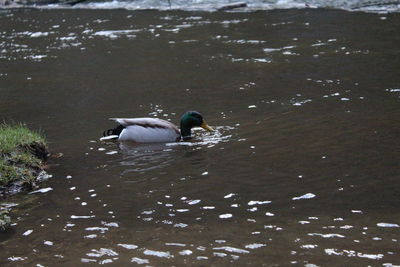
<point>205,126</point>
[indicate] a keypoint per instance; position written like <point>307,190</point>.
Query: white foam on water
<point>42,190</point>
<point>110,224</point>
<point>306,196</point>
<point>175,244</point>
<point>185,252</point>
<point>208,139</point>
<point>180,225</point>
<point>128,246</point>
<point>28,232</point>
<point>38,34</point>
<point>225,216</point>
<point>309,246</point>
<point>301,102</point>
<point>90,236</point>
<point>102,252</point>
<point>114,34</point>
<point>232,249</point>
<point>352,253</point>
<point>194,202</point>
<point>356,211</point>
<point>82,217</point>
<point>326,235</point>
<point>182,210</point>
<point>370,256</point>
<point>388,225</point>
<point>255,246</point>
<point>229,195</point>
<point>101,229</point>
<point>256,202</point>
<point>13,258</point>
<point>139,260</point>
<point>160,254</point>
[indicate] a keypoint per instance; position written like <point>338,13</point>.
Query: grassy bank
<point>22,155</point>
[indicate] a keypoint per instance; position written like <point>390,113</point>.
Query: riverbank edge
<point>23,153</point>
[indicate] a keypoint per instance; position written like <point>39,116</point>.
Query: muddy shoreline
<point>35,169</point>
<point>22,164</point>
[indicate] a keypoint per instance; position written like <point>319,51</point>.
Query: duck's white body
<point>154,130</point>
<point>147,130</point>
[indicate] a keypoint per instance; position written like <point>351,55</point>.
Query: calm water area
<point>302,170</point>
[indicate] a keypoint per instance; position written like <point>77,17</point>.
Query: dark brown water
<point>303,170</point>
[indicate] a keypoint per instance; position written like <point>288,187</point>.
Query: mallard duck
<point>154,130</point>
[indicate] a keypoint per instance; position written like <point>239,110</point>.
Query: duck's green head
<point>192,119</point>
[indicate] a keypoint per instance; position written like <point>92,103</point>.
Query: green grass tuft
<point>18,162</point>
<point>14,135</point>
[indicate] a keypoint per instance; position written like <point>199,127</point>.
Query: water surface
<point>303,167</point>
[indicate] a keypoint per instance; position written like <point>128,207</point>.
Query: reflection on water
<point>145,157</point>
<point>137,157</point>
<point>302,169</point>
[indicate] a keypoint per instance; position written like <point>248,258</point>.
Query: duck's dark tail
<point>113,133</point>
